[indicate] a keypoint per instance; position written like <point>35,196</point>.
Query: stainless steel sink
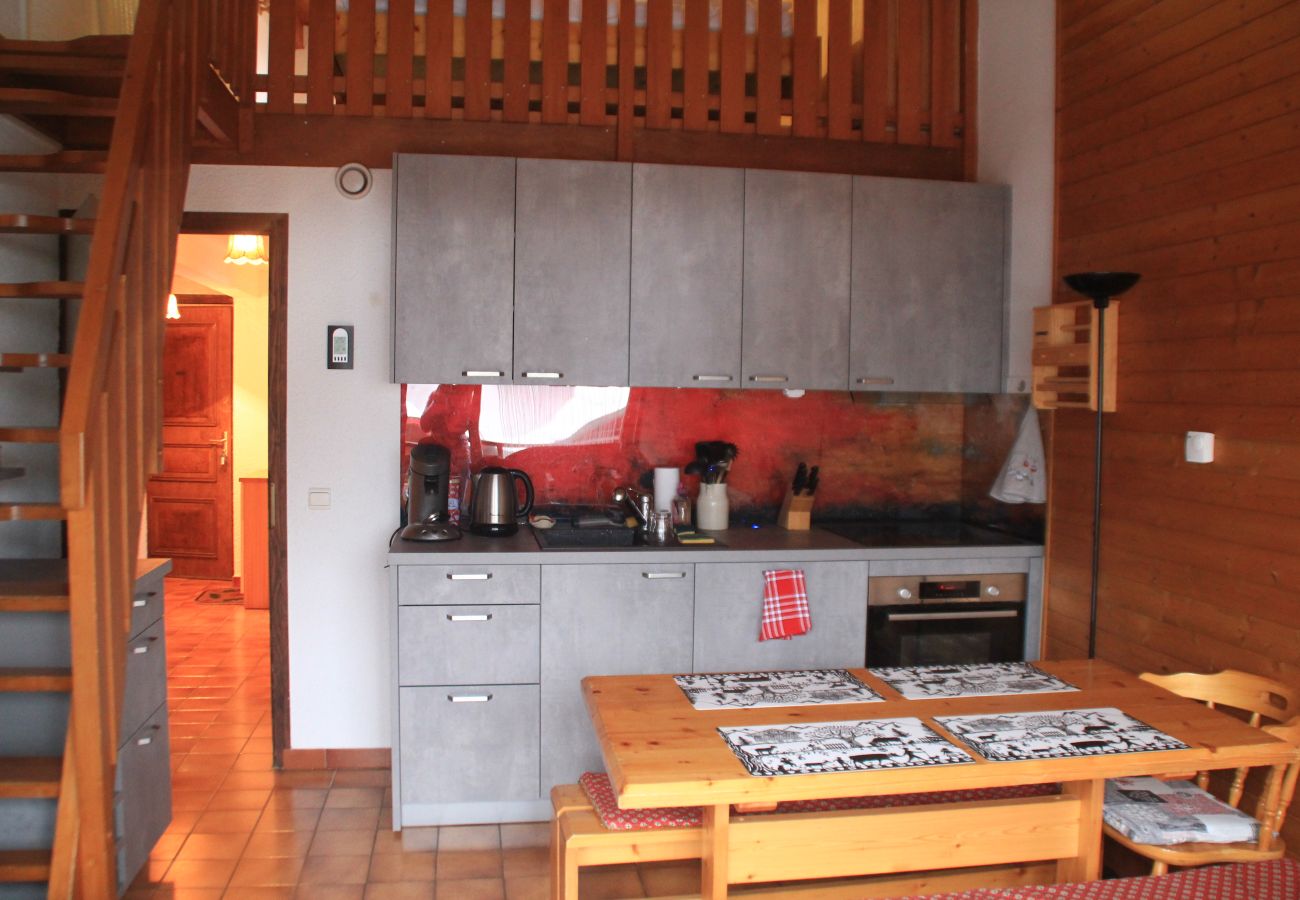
<point>561,538</point>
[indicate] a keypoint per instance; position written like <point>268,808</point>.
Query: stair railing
<point>110,432</point>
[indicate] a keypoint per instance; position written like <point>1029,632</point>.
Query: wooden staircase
<point>127,108</point>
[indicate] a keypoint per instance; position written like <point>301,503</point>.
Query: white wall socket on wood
<point>1199,447</point>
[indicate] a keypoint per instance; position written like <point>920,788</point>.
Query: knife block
<point>796,512</point>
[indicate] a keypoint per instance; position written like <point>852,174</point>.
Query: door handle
<point>952,616</point>
<point>224,444</point>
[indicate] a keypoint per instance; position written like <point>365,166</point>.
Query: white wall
<point>343,434</point>
<point>1016,129</point>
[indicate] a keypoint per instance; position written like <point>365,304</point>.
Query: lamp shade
<point>246,250</point>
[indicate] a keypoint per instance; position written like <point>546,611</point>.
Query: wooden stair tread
<point>41,102</point>
<point>33,289</point>
<point>30,512</point>
<point>92,45</point>
<point>80,65</point>
<point>63,161</point>
<point>33,680</point>
<point>33,585</point>
<point>21,223</point>
<point>35,360</point>
<point>32,777</point>
<point>24,865</point>
<point>23,435</point>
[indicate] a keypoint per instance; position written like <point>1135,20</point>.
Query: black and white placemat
<point>974,680</point>
<point>753,690</point>
<point>861,745</point>
<point>1057,734</point>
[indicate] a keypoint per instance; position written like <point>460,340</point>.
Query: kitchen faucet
<point>641,504</point>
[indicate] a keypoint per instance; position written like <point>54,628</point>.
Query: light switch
<point>318,498</point>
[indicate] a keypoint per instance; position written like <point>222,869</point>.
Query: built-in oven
<point>917,620</point>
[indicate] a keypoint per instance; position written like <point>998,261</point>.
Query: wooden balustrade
<point>884,71</point>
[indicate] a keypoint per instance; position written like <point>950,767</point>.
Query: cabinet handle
<point>543,374</point>
<point>141,649</point>
<point>766,379</point>
<point>469,698</point>
<point>653,576</point>
<point>144,741</point>
<point>481,373</point>
<point>481,617</point>
<point>469,576</point>
<point>139,602</point>
<point>711,377</point>
<point>875,381</point>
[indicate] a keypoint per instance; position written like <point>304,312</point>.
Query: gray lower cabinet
<point>572,257</point>
<point>929,285</point>
<point>686,276</point>
<point>728,617</point>
<point>453,269</point>
<point>796,280</point>
<point>604,620</point>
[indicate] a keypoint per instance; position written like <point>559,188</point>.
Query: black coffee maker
<point>427,490</point>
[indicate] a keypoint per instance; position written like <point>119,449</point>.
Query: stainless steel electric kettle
<point>494,509</point>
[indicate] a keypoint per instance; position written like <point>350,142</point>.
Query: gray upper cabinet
<point>796,280</point>
<point>686,276</point>
<point>453,269</point>
<point>929,285</point>
<point>572,257</point>
<point>604,619</point>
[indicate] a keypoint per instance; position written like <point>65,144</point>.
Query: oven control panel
<point>899,590</point>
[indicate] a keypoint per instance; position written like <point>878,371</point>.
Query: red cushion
<point>603,800</point>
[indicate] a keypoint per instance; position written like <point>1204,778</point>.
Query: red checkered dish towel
<point>785,605</point>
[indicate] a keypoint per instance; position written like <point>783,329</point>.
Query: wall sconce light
<point>246,250</point>
<point>173,311</point>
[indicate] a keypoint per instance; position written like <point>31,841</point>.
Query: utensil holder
<point>712,509</point>
<point>796,512</point>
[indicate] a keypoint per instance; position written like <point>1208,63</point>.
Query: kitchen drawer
<point>469,645</point>
<point>461,585</point>
<point>473,743</point>
<point>147,601</point>
<point>146,676</point>
<point>144,794</point>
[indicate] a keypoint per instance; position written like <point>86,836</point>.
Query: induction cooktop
<point>924,534</point>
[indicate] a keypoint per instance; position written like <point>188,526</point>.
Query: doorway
<point>275,229</point>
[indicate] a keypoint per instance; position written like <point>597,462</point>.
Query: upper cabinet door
<point>687,251</point>
<point>796,302</point>
<point>572,256</point>
<point>929,285</point>
<point>453,269</point>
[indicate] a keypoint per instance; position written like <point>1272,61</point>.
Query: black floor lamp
<point>1099,287</point>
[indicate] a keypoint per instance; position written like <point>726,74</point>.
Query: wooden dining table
<point>660,751</point>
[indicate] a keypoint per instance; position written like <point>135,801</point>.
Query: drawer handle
<point>875,381</point>
<point>480,617</point>
<point>144,741</point>
<point>769,379</point>
<point>711,377</point>
<point>655,576</point>
<point>481,373</point>
<point>469,576</point>
<point>469,698</point>
<point>543,374</point>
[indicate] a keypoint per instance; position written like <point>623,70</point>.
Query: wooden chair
<point>1264,700</point>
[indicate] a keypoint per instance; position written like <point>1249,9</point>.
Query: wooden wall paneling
<point>437,61</point>
<point>806,66</point>
<point>731,114</point>
<point>913,88</point>
<point>555,61</point>
<point>320,57</point>
<point>514,89</point>
<point>658,63</point>
<point>945,71</point>
<point>839,69</point>
<point>360,65</point>
<point>592,39</point>
<point>695,68</point>
<point>279,64</point>
<point>768,68</point>
<point>400,74</point>
<point>878,70</point>
<point>478,62</point>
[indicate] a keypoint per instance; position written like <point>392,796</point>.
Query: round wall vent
<point>353,180</point>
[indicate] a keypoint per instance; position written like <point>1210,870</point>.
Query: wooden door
<point>191,501</point>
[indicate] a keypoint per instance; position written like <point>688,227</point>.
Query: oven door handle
<point>952,616</point>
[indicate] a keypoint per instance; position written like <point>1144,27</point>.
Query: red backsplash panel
<point>877,458</point>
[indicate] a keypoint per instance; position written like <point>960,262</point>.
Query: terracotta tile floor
<point>240,829</point>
